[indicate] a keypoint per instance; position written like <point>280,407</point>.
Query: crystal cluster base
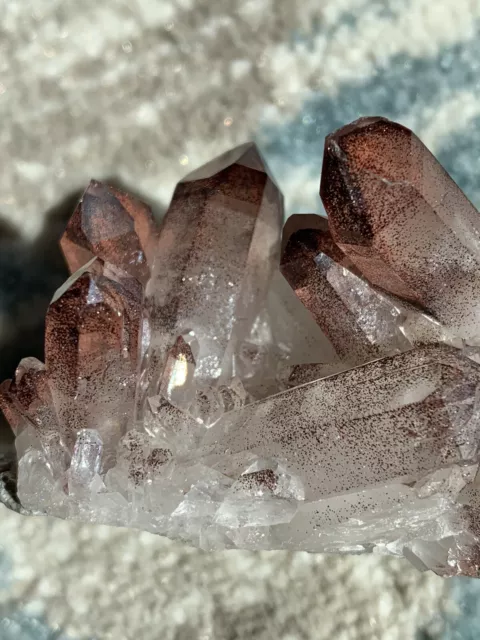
<point>225,382</point>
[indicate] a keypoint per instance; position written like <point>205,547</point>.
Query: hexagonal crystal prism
<point>111,225</point>
<point>403,221</point>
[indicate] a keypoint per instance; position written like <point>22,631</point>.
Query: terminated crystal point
<point>300,225</point>
<point>360,322</point>
<point>218,247</point>
<point>403,221</point>
<point>113,226</point>
<point>214,383</point>
<point>333,430</point>
<point>92,333</point>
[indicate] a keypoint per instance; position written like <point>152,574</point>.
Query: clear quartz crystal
<point>214,384</point>
<point>86,460</point>
<point>265,494</point>
<point>217,250</point>
<point>38,490</point>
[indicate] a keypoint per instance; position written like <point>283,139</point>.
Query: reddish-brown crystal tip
<point>113,226</point>
<point>402,220</point>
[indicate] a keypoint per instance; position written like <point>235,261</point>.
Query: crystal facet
<point>113,226</point>
<point>217,250</point>
<point>361,321</point>
<point>403,221</point>
<point>92,331</point>
<point>214,384</point>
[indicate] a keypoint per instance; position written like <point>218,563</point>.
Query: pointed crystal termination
<point>285,334</point>
<point>218,245</point>
<point>86,460</point>
<point>113,226</point>
<point>301,222</point>
<point>91,350</point>
<point>177,385</point>
<point>402,220</point>
<point>361,323</point>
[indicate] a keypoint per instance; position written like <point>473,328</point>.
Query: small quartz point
<point>86,460</point>
<point>113,226</point>
<point>211,383</point>
<point>403,221</point>
<point>177,384</point>
<point>28,403</point>
<point>218,246</point>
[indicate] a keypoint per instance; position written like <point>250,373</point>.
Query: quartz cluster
<point>212,381</point>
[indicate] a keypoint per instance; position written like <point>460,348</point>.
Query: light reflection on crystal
<point>196,387</point>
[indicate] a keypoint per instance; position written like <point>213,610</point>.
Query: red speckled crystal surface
<point>211,381</point>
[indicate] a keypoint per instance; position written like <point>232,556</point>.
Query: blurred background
<point>141,92</point>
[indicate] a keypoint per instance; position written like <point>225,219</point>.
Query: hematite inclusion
<point>208,382</point>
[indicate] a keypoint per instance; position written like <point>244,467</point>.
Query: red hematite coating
<point>402,220</point>
<point>92,331</point>
<point>311,285</point>
<point>192,390</point>
<point>113,226</point>
<point>313,230</point>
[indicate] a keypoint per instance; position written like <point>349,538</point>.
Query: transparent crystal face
<point>214,382</point>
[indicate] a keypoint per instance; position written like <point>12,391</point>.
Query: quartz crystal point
<point>395,418</point>
<point>218,247</point>
<point>403,221</point>
<point>92,335</point>
<point>198,386</point>
<point>113,226</point>
<point>380,431</point>
<point>362,322</point>
<point>28,404</point>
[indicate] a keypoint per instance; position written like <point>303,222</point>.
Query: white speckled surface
<point>106,583</point>
<point>143,91</point>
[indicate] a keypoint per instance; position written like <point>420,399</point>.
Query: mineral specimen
<point>211,382</point>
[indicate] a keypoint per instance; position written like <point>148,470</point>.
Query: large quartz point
<point>403,221</point>
<point>218,247</point>
<point>397,433</point>
<point>216,384</point>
